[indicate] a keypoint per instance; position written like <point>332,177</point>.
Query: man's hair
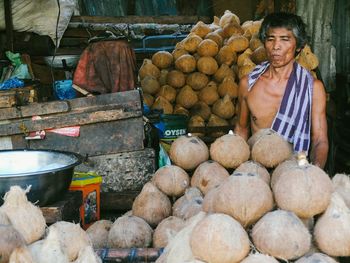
<point>289,21</point>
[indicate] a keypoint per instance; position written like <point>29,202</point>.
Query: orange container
<point>90,185</point>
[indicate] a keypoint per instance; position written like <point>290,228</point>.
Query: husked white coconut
<point>332,229</point>
<point>245,197</point>
<point>341,184</point>
<point>98,233</point>
<point>269,148</point>
<point>20,212</point>
<point>72,237</point>
<point>189,204</point>
<point>21,255</point>
<point>210,199</point>
<point>10,239</point>
<point>304,189</point>
<point>219,238</point>
<point>4,220</point>
<point>208,175</point>
<point>166,230</point>
<point>128,232</point>
<point>172,180</point>
<point>281,168</point>
<point>281,234</point>
<point>229,150</point>
<point>152,205</point>
<point>259,258</point>
<point>87,255</point>
<point>254,168</point>
<point>316,258</point>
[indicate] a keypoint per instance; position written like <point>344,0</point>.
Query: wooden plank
<point>121,201</point>
<point>7,100</point>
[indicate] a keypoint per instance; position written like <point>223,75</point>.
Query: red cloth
<point>106,66</point>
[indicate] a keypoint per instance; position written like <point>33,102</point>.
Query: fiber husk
<point>87,255</point>
<point>208,48</point>
<point>187,97</point>
<point>252,167</point>
<point>167,230</point>
<point>191,42</point>
<point>189,204</point>
<point>215,37</point>
<point>148,99</point>
<point>186,63</point>
<point>162,104</point>
<point>21,255</point>
<point>200,29</point>
<point>10,239</point>
<point>216,121</point>
<point>201,109</point>
<point>194,122</point>
<point>197,80</point>
<point>223,72</point>
<point>226,56</point>
<point>162,59</point>
<point>148,69</point>
<point>238,43</point>
<point>167,92</point>
<point>207,65</point>
<point>176,79</point>
<point>98,233</point>
<point>150,85</point>
<point>209,93</point>
<point>178,52</point>
<point>228,87</point>
<point>224,107</point>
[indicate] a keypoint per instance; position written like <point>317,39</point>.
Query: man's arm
<point>242,125</point>
<point>319,139</point>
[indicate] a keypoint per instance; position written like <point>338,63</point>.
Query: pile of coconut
<point>199,78</point>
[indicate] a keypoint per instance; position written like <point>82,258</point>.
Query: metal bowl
<point>48,172</point>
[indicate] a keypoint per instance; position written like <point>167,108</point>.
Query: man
<point>281,95</point>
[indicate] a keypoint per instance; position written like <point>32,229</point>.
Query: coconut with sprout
<point>151,204</point>
<point>259,258</point>
<point>172,180</point>
<point>188,152</point>
<point>162,59</point>
<point>10,239</point>
<point>208,175</point>
<point>281,234</point>
<point>219,238</point>
<point>166,230</point>
<point>341,184</point>
<point>252,167</point>
<point>316,258</point>
<point>189,204</point>
<point>98,233</point>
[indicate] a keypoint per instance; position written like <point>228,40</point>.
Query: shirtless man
<point>283,36</point>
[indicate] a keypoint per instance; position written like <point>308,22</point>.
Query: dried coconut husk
<point>148,99</point>
<point>172,180</point>
<point>167,230</point>
<point>281,234</point>
<point>307,59</point>
<point>71,236</point>
<point>4,220</point>
<point>21,255</point>
<point>98,233</point>
<point>189,204</point>
<point>129,232</point>
<point>341,184</point>
<point>251,27</point>
<point>10,239</point>
<point>218,238</point>
<point>87,255</point>
<point>332,229</point>
<point>244,56</point>
<point>186,97</point>
<point>224,107</point>
<point>238,43</point>
<point>197,80</point>
<point>281,168</point>
<point>215,37</point>
<point>223,72</point>
<point>228,87</point>
<point>162,59</point>
<point>207,65</point>
<point>269,148</point>
<point>201,109</point>
<point>167,92</point>
<point>162,104</point>
<point>230,150</point>
<point>178,52</point>
<point>20,211</point>
<point>178,109</point>
<point>191,42</point>
<point>255,43</point>
<point>228,17</point>
<point>188,152</point>
<point>163,77</point>
<point>150,85</point>
<point>246,68</point>
<point>259,258</point>
<point>176,79</point>
<point>151,204</point>
<point>251,167</point>
<point>305,190</point>
<point>316,258</point>
<point>207,48</point>
<point>148,69</point>
<point>259,55</point>
<point>196,121</point>
<point>186,63</point>
<point>209,93</point>
<point>216,121</point>
<point>200,29</point>
<point>232,29</point>
<point>245,197</point>
<point>226,56</point>
<point>208,175</point>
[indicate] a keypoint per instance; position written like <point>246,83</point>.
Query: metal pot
<point>48,172</point>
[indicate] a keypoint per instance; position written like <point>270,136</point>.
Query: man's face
<point>280,45</point>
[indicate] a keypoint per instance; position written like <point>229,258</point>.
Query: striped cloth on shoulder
<point>293,119</point>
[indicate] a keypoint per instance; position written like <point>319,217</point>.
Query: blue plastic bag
<point>63,89</point>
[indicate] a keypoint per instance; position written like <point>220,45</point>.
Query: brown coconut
<point>223,72</point>
<point>151,204</point>
<point>201,109</point>
<point>245,197</point>
<point>246,68</point>
<point>162,104</point>
<point>244,57</point>
<point>341,184</point>
<point>98,233</point>
<point>259,55</point>
<point>219,238</point>
<point>189,204</point>
<point>228,87</point>
<point>251,167</point>
<point>207,48</point>
<point>216,121</point>
<point>200,29</point>
<point>269,148</point>
<point>230,150</point>
<point>196,122</point>
<point>178,109</point>
<point>166,230</point>
<point>259,258</point>
<point>215,37</point>
<point>187,97</point>
<point>207,65</point>
<point>209,93</point>
<point>307,59</point>
<point>252,27</point>
<point>228,17</point>
<point>167,92</point>
<point>226,56</point>
<point>148,69</point>
<point>305,189</point>
<point>150,85</point>
<point>129,232</point>
<point>10,239</point>
<point>197,80</point>
<point>332,231</point>
<point>191,42</point>
<point>171,180</point>
<point>316,258</point>
<point>224,107</point>
<point>281,234</point>
<point>176,79</point>
<point>163,77</point>
<point>232,29</point>
<point>254,43</point>
<point>188,152</point>
<point>178,52</point>
<point>148,99</point>
<point>186,63</point>
<point>238,43</point>
<point>162,59</point>
<point>208,175</point>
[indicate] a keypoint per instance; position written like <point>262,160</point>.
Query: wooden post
<point>8,24</point>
